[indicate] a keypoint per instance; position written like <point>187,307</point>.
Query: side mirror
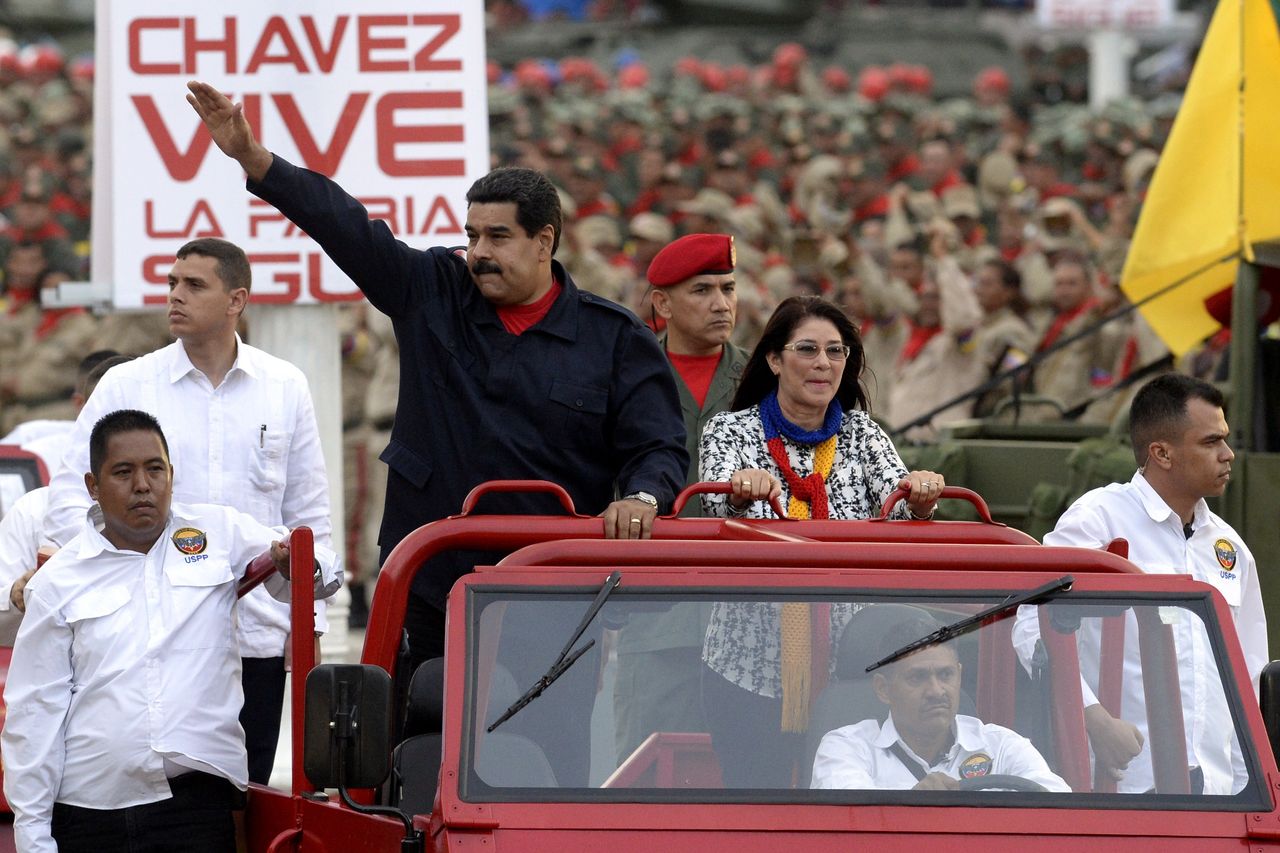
<point>347,726</point>
<point>1269,700</point>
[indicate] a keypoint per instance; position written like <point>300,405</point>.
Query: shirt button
<point>578,403</point>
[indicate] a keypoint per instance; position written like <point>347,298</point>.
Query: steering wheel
<point>1001,781</point>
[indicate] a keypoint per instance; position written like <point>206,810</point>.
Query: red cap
<point>900,76</point>
<point>634,76</point>
<point>713,78</point>
<point>40,59</point>
<point>738,74</point>
<point>836,78</point>
<point>1219,304</point>
<point>691,255</point>
<point>688,66</point>
<point>873,83</point>
<point>993,78</point>
<point>790,55</point>
<point>919,79</point>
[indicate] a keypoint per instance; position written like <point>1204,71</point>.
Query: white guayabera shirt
<point>126,669</point>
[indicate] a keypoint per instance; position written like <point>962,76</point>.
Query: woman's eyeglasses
<point>809,349</point>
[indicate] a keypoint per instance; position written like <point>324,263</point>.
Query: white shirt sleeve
<point>20,539</point>
<point>843,761</point>
<point>1251,621</point>
<point>959,305</point>
<point>38,696</point>
<point>306,494</point>
<point>1079,527</point>
<point>252,538</point>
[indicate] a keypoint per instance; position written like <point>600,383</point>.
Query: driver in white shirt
<point>924,744</point>
<point>124,692</point>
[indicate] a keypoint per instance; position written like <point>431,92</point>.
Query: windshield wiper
<point>566,658</point>
<point>955,629</point>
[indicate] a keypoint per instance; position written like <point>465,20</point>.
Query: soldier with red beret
<point>660,655</point>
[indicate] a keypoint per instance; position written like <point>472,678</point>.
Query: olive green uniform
<point>660,655</point>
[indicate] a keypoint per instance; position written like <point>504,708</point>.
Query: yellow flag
<point>1216,190</point>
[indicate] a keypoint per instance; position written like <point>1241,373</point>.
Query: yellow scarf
<point>797,628</point>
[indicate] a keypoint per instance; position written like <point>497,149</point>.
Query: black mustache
<point>483,267</point>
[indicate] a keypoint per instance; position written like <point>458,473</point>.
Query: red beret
<point>1219,304</point>
<point>692,254</point>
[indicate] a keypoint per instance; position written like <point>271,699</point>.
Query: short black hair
<point>115,423</point>
<point>1010,278</point>
<point>233,265</point>
<point>758,380</point>
<point>88,363</point>
<point>535,197</point>
<point>1159,409</point>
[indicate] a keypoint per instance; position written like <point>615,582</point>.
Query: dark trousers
<point>263,680</point>
<point>424,625</point>
<point>746,734</point>
<point>560,726</point>
<point>196,819</point>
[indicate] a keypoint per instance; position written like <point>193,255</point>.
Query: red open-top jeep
<point>506,744</point>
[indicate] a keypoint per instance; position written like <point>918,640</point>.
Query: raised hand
<point>229,128</point>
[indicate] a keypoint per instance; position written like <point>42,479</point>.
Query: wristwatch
<point>643,497</point>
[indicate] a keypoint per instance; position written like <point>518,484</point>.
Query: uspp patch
<point>1226,554</point>
<point>978,764</point>
<point>188,540</point>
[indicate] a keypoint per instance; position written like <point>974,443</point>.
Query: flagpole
<point>1245,249</point>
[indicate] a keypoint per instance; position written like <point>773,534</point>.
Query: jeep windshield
<point>774,677</point>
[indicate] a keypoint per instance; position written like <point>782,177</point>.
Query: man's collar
<point>889,735</point>
<point>1158,510</point>
<point>968,733</point>
<point>181,364</point>
<point>561,319</point>
<point>93,542</point>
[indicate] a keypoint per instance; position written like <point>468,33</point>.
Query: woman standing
<point>799,431</point>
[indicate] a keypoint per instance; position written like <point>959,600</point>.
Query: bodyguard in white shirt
<point>243,433</point>
<point>1179,435</point>
<point>924,744</point>
<point>124,690</point>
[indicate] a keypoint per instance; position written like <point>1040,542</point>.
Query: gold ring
<point>635,521</point>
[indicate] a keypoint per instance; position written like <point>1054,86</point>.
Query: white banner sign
<point>1097,14</point>
<point>387,97</point>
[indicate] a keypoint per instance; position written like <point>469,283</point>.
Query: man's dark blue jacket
<point>584,398</point>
